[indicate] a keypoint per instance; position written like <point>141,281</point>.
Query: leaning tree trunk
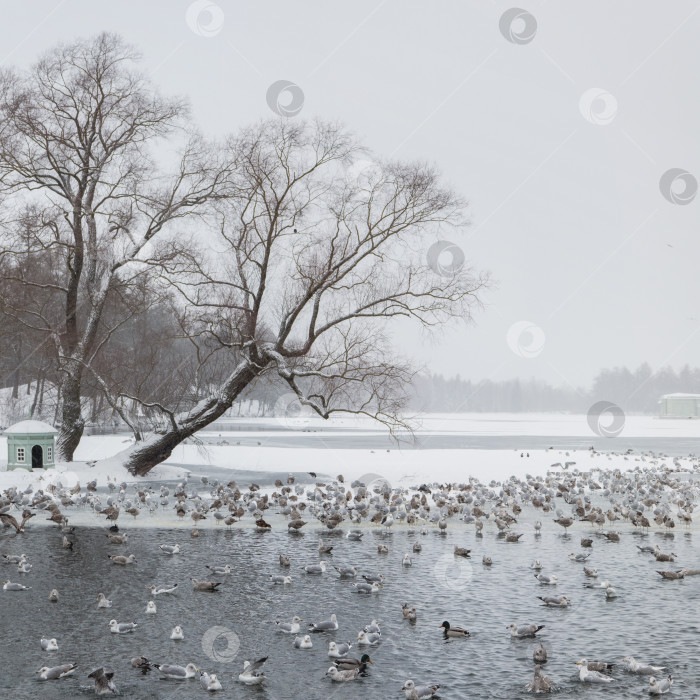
<point>141,457</point>
<point>72,424</point>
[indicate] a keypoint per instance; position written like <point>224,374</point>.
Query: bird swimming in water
<point>540,683</point>
<point>339,676</point>
<point>419,692</point>
<point>104,685</point>
<point>586,676</point>
<point>453,631</point>
<point>252,673</point>
<point>49,644</point>
<point>54,673</point>
<point>177,634</point>
<point>661,687</point>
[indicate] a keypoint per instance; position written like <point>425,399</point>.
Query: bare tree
<point>78,134</point>
<point>316,257</point>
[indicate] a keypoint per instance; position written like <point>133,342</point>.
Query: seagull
<point>586,676</point>
<point>252,675</point>
<point>104,685</point>
<point>170,548</point>
<point>660,687</point>
<point>560,601</point>
<point>408,612</point>
<point>579,557</point>
<point>602,584</point>
<point>368,638</point>
<point>9,586</point>
<point>177,633</point>
<point>121,628</point>
<point>159,590</point>
<point>337,650</point>
<point>285,560</point>
<point>341,676</point>
<point>103,601</point>
<point>536,565</point>
<point>53,596</point>
<point>325,625</point>
<point>52,674</point>
<point>539,656</point>
<point>315,568</point>
<point>540,683</point>
<point>407,560</point>
<point>209,682</point>
<point>419,692</point>
<point>592,573</point>
<point>388,521</point>
<point>289,627</point>
<point>346,571</point>
<point>151,608</point>
<point>277,578</point>
<point>633,666</point>
<point>367,587</point>
<point>303,642</point>
<point>546,580</point>
<point>177,672</point>
<point>141,662</point>
<point>524,630</point>
<point>453,631</point>
<point>221,570</point>
<point>672,575</point>
<point>49,644</point>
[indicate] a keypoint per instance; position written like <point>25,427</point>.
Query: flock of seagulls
<point>652,492</point>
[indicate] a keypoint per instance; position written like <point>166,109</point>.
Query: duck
<point>349,663</point>
<point>453,631</point>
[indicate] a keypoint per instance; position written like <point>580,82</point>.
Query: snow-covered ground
<point>400,466</point>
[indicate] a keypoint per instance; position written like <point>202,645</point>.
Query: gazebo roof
<point>31,427</point>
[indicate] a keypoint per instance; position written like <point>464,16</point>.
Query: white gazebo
<point>30,445</point>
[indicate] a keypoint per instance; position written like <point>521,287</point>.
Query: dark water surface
<point>655,620</point>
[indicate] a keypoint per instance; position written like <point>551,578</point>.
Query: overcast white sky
<point>567,214</point>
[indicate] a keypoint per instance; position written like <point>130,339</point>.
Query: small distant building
<point>679,406</point>
<point>30,445</point>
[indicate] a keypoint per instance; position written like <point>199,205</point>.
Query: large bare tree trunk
<point>146,454</point>
<point>73,424</point>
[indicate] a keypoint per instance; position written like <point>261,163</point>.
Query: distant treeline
<point>634,391</point>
